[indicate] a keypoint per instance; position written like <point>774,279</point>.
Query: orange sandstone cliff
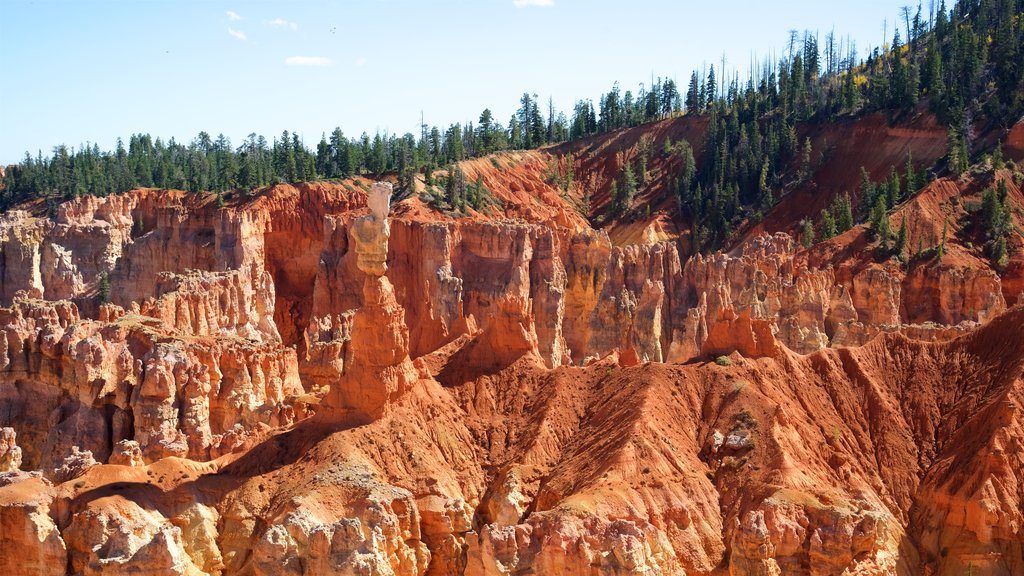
<point>314,380</point>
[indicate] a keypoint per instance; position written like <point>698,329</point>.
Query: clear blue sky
<point>89,71</point>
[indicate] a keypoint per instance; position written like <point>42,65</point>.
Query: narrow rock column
<point>10,453</point>
<point>380,370</point>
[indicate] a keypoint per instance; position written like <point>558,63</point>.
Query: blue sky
<point>89,71</point>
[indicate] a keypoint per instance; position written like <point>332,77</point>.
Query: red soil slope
<point>840,149</point>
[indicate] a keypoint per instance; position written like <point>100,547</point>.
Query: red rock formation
<point>495,396</point>
<point>10,452</point>
<point>382,370</point>
<point>135,378</point>
<point>29,537</point>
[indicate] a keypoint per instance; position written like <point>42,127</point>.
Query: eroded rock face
<point>457,432</point>
<point>70,382</point>
<point>807,309</point>
<point>113,535</point>
<point>75,464</point>
<point>785,537</point>
<point>381,368</point>
<point>10,452</point>
<point>126,453</point>
<point>371,232</point>
<point>29,538</point>
<point>379,533</point>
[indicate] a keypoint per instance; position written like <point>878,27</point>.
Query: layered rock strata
<point>493,397</point>
<point>381,369</point>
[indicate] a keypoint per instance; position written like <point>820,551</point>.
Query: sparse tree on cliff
<point>807,237</point>
<point>879,223</point>
<point>623,191</point>
<point>103,288</point>
<point>455,188</point>
<point>901,239</point>
<point>828,225</point>
<point>940,251</point>
<point>843,211</point>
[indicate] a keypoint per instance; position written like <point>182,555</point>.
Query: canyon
<point>320,378</point>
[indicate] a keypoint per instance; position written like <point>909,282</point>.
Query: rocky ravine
<point>295,384</point>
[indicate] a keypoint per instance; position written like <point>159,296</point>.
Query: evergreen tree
<point>687,167</point>
<point>323,157</point>
<point>805,160</point>
<point>486,130</point>
<point>912,184</point>
<point>851,95</point>
<point>694,100</point>
<point>940,251</point>
<point>843,211</point>
<point>1000,255</point>
<point>103,288</point>
<point>623,191</point>
<point>455,188</point>
<point>991,213</point>
<point>879,223</point>
<point>957,152</point>
<point>997,156</point>
<point>828,225</point>
<point>901,239</point>
<point>807,238</point>
<point>894,194</point>
<point>710,89</point>
<point>765,199</point>
<point>868,192</point>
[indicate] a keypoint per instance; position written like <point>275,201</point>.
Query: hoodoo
<point>379,370</point>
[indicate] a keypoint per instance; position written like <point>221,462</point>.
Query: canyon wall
<point>298,384</point>
<point>275,282</point>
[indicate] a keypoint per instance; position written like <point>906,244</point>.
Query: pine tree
<point>103,288</point>
<point>486,129</point>
<point>958,157</point>
<point>940,251</point>
<point>997,156</point>
<point>624,191</point>
<point>851,96</point>
<point>286,167</point>
<point>807,238</point>
<point>828,225</point>
<point>991,212</point>
<point>710,89</point>
<point>894,194</point>
<point>843,210</point>
<point>805,160</point>
<point>455,188</point>
<point>693,96</point>
<point>911,176</point>
<point>687,167</point>
<point>901,239</point>
<point>764,189</point>
<point>879,222</point>
<point>643,157</point>
<point>1000,255</point>
<point>867,190</point>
